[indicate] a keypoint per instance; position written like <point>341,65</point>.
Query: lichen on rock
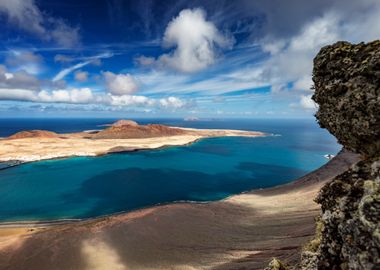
<point>276,264</point>
<point>351,217</point>
<point>347,90</point>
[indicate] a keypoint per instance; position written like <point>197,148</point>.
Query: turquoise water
<point>210,169</point>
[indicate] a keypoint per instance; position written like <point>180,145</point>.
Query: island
<point>121,136</point>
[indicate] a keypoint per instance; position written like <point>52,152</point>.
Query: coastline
<point>25,150</point>
<point>262,219</point>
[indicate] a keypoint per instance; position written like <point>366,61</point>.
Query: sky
<point>177,59</point>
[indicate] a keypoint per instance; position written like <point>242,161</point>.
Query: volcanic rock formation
<point>127,129</point>
<point>347,89</point>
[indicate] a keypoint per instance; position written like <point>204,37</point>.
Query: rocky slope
<point>125,129</point>
<point>347,89</point>
<point>34,134</point>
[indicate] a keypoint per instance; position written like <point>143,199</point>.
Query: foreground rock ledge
<point>347,89</point>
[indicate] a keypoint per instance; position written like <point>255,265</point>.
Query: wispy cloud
<point>63,73</point>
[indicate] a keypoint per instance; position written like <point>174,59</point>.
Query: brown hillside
<point>33,134</point>
<point>137,131</point>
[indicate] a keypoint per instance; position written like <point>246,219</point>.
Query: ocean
<point>210,169</point>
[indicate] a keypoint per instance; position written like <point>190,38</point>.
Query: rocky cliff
<point>347,90</point>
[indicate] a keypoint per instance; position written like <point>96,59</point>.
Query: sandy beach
<point>241,232</point>
<point>82,144</point>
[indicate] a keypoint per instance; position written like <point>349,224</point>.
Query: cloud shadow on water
<point>133,188</point>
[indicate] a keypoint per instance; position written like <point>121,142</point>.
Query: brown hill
<point>33,134</point>
<point>137,131</point>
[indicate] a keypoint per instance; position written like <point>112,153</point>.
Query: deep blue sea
<point>210,169</point>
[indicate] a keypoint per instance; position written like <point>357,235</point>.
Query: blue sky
<point>202,59</point>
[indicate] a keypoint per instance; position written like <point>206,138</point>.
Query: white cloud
<point>81,76</point>
<point>76,96</point>
<point>120,84</point>
<point>24,60</point>
<point>27,16</point>
<point>87,96</point>
<point>82,96</point>
<point>171,84</point>
<point>294,62</point>
<point>64,34</point>
<point>130,100</point>
<point>195,41</point>
<point>93,59</point>
<point>63,73</point>
<point>304,83</point>
<point>172,102</point>
<point>19,79</point>
<point>17,94</point>
<point>291,58</point>
<point>307,103</point>
<point>145,60</point>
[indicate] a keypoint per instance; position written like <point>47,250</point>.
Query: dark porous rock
<point>309,260</point>
<point>351,218</point>
<point>347,89</point>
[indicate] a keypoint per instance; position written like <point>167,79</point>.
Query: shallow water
<point>210,169</point>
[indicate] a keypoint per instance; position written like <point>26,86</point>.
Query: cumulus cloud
<point>26,15</point>
<point>120,84</point>
<point>17,94</point>
<point>19,79</point>
<point>130,100</point>
<point>80,96</point>
<point>195,41</point>
<point>81,76</point>
<point>145,60</point>
<point>172,102</point>
<point>86,96</point>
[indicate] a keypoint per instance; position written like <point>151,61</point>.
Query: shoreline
<point>25,150</point>
<point>262,219</point>
<point>64,221</point>
<point>18,162</point>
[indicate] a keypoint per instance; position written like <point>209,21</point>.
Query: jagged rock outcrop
<point>347,89</point>
<point>347,85</point>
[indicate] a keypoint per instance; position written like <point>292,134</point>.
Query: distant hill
<point>34,134</point>
<point>125,129</point>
